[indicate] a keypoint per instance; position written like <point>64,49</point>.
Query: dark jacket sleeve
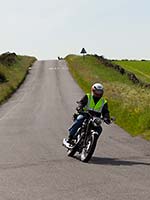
<point>105,111</point>
<point>83,102</point>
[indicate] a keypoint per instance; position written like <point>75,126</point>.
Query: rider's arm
<point>83,102</point>
<point>105,114</point>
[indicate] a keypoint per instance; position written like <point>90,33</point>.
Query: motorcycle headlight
<point>97,121</point>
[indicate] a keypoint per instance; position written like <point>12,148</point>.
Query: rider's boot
<point>70,137</point>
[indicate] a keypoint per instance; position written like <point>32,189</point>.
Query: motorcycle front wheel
<point>74,148</point>
<point>71,152</point>
<point>89,148</point>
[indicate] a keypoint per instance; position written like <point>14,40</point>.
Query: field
<point>140,68</point>
<point>128,102</point>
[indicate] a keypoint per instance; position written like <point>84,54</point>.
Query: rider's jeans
<point>77,124</point>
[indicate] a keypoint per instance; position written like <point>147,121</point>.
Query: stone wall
<point>131,76</point>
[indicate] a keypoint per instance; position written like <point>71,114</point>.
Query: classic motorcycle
<point>85,140</point>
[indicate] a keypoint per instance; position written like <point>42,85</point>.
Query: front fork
<point>91,132</point>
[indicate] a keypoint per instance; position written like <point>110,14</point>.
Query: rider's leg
<point>74,127</point>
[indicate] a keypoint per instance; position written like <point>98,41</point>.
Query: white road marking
<point>58,68</point>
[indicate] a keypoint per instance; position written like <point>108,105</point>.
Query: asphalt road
<point>33,162</point>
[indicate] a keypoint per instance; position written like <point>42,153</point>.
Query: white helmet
<point>97,90</point>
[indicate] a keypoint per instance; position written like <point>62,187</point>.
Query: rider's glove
<point>79,109</point>
<point>107,120</point>
<point>74,117</point>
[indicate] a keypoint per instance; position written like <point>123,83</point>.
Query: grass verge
<point>14,75</point>
<point>128,102</point>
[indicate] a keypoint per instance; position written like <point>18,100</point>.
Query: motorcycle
<point>85,140</point>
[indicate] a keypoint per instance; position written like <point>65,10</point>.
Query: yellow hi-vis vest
<point>91,104</point>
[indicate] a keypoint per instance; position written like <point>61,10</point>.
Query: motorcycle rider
<point>94,101</point>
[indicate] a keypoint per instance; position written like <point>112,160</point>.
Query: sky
<point>116,29</point>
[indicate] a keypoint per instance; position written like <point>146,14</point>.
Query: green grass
<point>127,102</point>
<point>14,74</point>
<point>140,68</point>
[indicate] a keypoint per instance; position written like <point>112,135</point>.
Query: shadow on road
<point>114,161</point>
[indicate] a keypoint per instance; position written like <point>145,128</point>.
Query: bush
<point>8,58</point>
<point>2,78</point>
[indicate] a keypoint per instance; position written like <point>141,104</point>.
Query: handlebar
<point>92,113</point>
